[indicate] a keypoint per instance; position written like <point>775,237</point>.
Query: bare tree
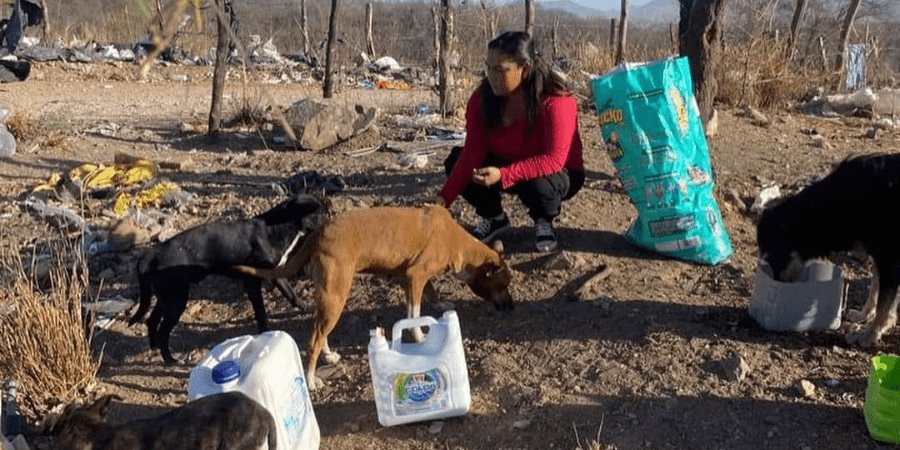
<point>370,40</point>
<point>554,37</point>
<point>795,26</point>
<point>623,29</point>
<point>612,33</point>
<point>845,36</point>
<point>529,17</point>
<point>328,85</point>
<point>304,32</point>
<point>701,43</point>
<point>222,44</point>
<point>444,76</point>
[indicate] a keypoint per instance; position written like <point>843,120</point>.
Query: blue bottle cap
<point>226,371</point>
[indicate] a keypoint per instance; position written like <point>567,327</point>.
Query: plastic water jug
<point>420,381</point>
<point>267,368</point>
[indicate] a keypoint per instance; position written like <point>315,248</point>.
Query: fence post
<point>328,85</point>
<point>370,40</point>
<point>444,76</point>
<point>623,28</point>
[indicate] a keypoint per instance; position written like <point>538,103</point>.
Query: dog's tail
<point>145,288</point>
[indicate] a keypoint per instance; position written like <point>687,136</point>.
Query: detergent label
<point>420,392</point>
<point>294,409</point>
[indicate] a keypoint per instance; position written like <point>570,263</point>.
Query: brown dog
<point>413,243</point>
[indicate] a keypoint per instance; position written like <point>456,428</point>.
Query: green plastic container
<point>882,407</point>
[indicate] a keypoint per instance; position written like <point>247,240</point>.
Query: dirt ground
<point>636,367</point>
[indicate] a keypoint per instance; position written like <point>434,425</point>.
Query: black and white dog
<point>847,211</point>
<point>169,268</point>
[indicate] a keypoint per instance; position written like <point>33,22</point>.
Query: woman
<point>521,138</point>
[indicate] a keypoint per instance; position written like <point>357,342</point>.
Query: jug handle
<point>409,323</point>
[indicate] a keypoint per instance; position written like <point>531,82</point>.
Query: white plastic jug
<point>420,381</point>
<point>266,367</point>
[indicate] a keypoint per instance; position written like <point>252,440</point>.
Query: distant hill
<point>657,11</point>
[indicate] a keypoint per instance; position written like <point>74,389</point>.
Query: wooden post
<point>623,28</point>
<point>822,50</point>
<point>529,17</point>
<point>444,76</point>
<point>673,38</point>
<point>845,38</point>
<point>328,85</point>
<point>485,22</point>
<point>554,37</point>
<point>436,15</point>
<point>221,69</point>
<point>612,34</point>
<point>795,26</point>
<point>370,40</point>
<point>304,30</point>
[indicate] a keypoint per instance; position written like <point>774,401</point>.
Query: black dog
<point>847,211</point>
<point>169,268</point>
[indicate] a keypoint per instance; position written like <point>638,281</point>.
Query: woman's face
<point>503,73</point>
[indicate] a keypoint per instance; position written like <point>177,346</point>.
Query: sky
<point>608,4</point>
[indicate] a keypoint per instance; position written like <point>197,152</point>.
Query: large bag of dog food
<point>651,126</point>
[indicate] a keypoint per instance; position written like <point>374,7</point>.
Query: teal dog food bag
<point>652,131</point>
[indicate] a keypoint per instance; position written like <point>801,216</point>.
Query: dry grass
<point>593,444</point>
<point>22,126</point>
<point>758,73</point>
<point>43,343</point>
<point>250,108</point>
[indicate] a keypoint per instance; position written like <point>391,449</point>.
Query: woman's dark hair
<point>541,79</point>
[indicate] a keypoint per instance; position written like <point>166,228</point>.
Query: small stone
<point>186,127</point>
<point>734,367</point>
<point>177,163</point>
<point>819,141</point>
<point>522,424</point>
<point>806,389</point>
<point>436,427</point>
<point>832,383</point>
<point>354,427</point>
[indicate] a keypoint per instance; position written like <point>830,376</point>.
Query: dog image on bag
<point>847,211</point>
<point>168,269</point>
<point>413,243</point>
<point>229,421</point>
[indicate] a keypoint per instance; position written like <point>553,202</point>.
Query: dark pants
<point>542,196</point>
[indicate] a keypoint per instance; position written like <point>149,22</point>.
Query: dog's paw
<point>314,382</point>
<point>864,339</point>
<point>858,316</point>
<point>331,358</point>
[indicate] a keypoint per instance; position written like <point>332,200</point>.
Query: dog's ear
<point>497,245</point>
<point>465,276</point>
<point>101,406</point>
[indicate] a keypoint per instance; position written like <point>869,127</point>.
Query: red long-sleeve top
<point>552,144</point>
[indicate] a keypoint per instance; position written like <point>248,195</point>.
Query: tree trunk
<point>485,22</point>
<point>554,37</point>
<point>45,12</point>
<point>370,40</point>
<point>304,29</point>
<point>612,34</point>
<point>436,15</point>
<point>529,17</point>
<point>444,76</point>
<point>684,21</point>
<point>795,26</point>
<point>328,85</point>
<point>845,38</point>
<point>702,43</point>
<point>623,29</point>
<point>222,43</point>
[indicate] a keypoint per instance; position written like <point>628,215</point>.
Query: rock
<point>436,427</point>
<point>320,123</point>
<point>733,197</point>
<point>19,443</point>
<point>805,388</point>
<point>817,140</point>
<point>757,118</point>
<point>7,143</point>
<point>563,261</point>
<point>734,367</point>
<point>522,424</point>
<point>180,163</point>
<point>832,383</point>
<point>126,234</point>
<point>186,127</point>
<point>765,196</point>
<point>871,132</point>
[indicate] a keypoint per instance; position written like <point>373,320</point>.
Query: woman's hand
<point>486,176</point>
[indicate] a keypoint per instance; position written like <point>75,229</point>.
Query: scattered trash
<point>398,85</point>
<point>817,140</point>
<point>425,121</point>
<point>884,124</point>
<point>422,109</point>
<point>108,129</point>
<point>366,84</point>
<point>386,64</point>
<point>443,134</point>
<point>10,421</point>
<point>56,215</point>
<point>522,424</point>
